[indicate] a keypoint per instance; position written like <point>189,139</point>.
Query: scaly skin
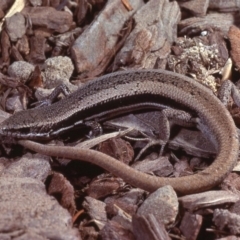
<point>214,120</point>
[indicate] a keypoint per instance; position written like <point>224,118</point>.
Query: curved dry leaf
<point>227,70</point>
<point>127,5</point>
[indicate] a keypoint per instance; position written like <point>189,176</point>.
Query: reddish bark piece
<point>61,188</point>
<point>35,79</point>
<point>118,149</point>
<point>103,187</point>
<point>5,46</point>
<point>234,36</point>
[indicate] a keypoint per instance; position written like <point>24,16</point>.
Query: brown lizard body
<point>124,87</point>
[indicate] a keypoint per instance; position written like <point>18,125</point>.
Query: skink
<point>123,89</point>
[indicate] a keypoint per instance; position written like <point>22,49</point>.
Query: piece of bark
<point>160,166</point>
<point>15,54</point>
<point>114,231</point>
<point>35,79</point>
<point>2,14</point>
<point>37,50</point>
<point>96,210</point>
<point>6,4</point>
<point>121,217</point>
<point>104,186</point>
<point>207,199</point>
<point>50,18</point>
<point>234,36</point>
<point>88,232</point>
<point>23,45</point>
<point>63,41</point>
<point>228,238</point>
<point>182,168</point>
<point>117,148</point>
<point>193,143</point>
<point>55,3</point>
<point>224,6</point>
<point>81,11</point>
<point>144,122</point>
<point>197,163</point>
<point>127,28</point>
<point>150,40</point>
<point>12,82</point>
<point>215,20</point>
<point>63,191</point>
<point>190,225</point>
<point>148,227</point>
<point>89,54</point>
<point>128,202</point>
<point>197,8</point>
<point>5,46</point>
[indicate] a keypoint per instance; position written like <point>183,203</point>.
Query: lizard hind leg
<point>178,117</point>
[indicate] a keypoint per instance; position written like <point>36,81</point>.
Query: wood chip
<point>234,36</point>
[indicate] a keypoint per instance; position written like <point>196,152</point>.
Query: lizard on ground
<point>128,88</point>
